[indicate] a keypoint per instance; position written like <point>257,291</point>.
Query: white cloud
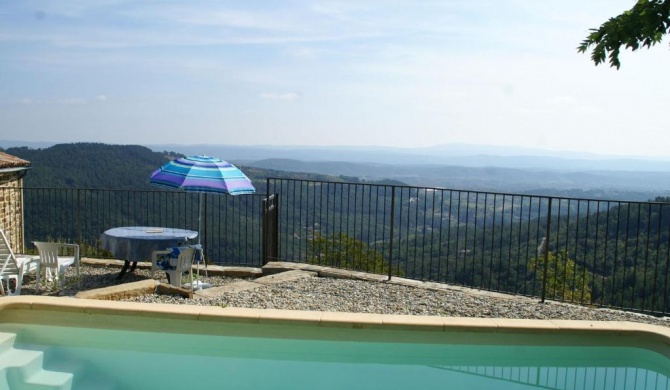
<point>101,98</point>
<point>283,96</point>
<point>70,101</point>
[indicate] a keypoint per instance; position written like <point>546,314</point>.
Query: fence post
<point>270,225</point>
<point>264,224</point>
<point>79,216</point>
<point>546,252</point>
<point>264,233</point>
<point>391,232</point>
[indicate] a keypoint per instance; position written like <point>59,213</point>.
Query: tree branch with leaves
<point>644,25</point>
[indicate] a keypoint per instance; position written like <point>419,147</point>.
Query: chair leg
<point>37,278</point>
<point>60,275</point>
<point>6,286</point>
<point>202,256</point>
<point>17,286</point>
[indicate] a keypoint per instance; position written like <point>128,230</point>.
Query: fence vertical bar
<point>546,252</point>
<point>203,233</point>
<point>392,221</point>
<point>79,217</point>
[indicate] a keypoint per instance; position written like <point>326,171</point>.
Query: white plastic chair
<point>51,261</point>
<point>183,263</point>
<point>13,267</point>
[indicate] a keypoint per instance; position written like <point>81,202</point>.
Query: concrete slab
<point>227,288</point>
<point>120,291</point>
<point>285,277</point>
<point>347,274</point>
<point>233,272</point>
<point>168,289</point>
<point>276,267</point>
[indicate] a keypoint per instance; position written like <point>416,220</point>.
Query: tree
<point>644,25</point>
<point>566,281</point>
<point>343,251</point>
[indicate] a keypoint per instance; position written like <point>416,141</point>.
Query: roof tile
<point>9,161</point>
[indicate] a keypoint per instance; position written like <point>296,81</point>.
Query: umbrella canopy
<point>202,174</point>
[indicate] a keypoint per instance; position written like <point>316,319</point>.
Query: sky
<point>318,73</point>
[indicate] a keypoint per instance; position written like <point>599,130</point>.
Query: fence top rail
<point>480,192</point>
<point>162,191</point>
<point>388,186</point>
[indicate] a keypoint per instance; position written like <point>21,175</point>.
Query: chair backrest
<point>48,253</point>
<point>8,264</point>
<point>185,259</point>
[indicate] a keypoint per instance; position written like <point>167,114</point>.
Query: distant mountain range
<point>455,154</point>
<point>447,166</point>
<point>618,184</point>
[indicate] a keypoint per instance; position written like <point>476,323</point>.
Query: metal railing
<point>231,225</point>
<point>589,251</point>
<point>597,252</point>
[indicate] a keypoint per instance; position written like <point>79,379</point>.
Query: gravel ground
<point>344,295</point>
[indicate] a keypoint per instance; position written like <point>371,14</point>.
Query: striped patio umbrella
<point>202,174</point>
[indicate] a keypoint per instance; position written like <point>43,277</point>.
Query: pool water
<point>129,360</point>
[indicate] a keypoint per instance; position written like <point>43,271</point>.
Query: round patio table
<point>136,243</point>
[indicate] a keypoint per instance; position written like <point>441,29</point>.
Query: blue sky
<point>365,72</point>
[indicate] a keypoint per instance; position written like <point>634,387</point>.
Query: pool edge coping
<point>652,337</point>
<point>332,319</point>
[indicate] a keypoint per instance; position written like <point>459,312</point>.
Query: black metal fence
<point>597,252</point>
<point>231,231</point>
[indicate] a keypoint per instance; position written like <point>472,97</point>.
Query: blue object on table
<point>165,262</point>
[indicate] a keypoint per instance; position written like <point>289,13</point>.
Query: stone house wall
<point>11,209</point>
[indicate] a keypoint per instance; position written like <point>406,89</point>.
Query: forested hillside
<point>91,165</point>
<point>123,167</point>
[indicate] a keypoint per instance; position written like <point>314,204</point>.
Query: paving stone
<point>285,277</point>
<point>230,288</point>
<point>121,291</point>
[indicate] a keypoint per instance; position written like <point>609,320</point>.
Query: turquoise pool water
<point>152,360</point>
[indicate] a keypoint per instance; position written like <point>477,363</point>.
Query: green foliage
<point>566,281</point>
<point>644,25</point>
<point>118,167</point>
<point>342,251</point>
<point>91,165</point>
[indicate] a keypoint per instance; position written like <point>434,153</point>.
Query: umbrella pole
<point>199,216</point>
<point>197,263</point>
<point>202,251</point>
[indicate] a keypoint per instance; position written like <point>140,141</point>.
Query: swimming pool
<point>140,346</point>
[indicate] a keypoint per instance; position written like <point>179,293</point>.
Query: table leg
<point>124,269</point>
